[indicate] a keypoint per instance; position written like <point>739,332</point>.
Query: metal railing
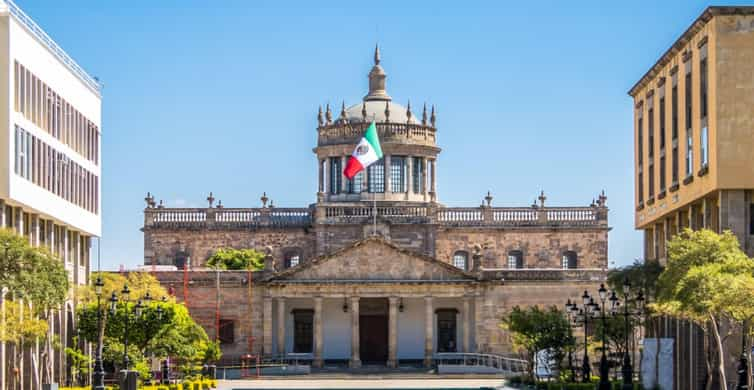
<point>54,48</point>
<point>502,364</point>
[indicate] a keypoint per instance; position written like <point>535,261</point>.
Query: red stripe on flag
<point>353,167</point>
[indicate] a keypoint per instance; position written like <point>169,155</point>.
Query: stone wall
<point>541,248</point>
<point>164,245</point>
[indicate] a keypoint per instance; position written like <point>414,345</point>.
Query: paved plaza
<point>366,382</point>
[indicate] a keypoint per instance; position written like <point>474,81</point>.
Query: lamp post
<point>98,377</point>
<point>582,315</point>
<point>604,368</point>
<point>639,300</point>
<point>570,317</point>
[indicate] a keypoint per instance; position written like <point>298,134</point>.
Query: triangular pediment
<point>374,259</point>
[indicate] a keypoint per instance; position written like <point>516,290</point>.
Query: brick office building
<point>344,284</point>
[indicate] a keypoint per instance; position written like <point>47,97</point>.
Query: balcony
<point>416,134</point>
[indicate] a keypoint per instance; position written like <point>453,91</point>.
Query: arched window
<point>570,260</point>
<point>515,259</point>
<point>461,260</point>
<point>292,258</point>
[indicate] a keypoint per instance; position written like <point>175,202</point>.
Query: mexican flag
<point>367,152</point>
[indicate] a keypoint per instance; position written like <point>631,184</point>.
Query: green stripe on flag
<point>374,140</point>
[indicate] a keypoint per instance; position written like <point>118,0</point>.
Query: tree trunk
<point>721,355</point>
<point>708,358</point>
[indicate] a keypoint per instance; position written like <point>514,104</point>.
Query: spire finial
<point>328,114</point>
<point>542,198</point>
<point>408,111</point>
<point>432,117</point>
<point>264,199</point>
<point>343,110</point>
<point>424,115</point>
<point>377,78</point>
<point>320,118</point>
<point>210,199</point>
<point>364,111</point>
<point>387,111</point>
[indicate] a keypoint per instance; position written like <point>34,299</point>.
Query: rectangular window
<point>751,219</point>
<point>662,123</point>
<point>417,175</point>
<point>651,132</point>
<point>336,175</point>
<point>651,177</point>
<point>704,147</point>
<point>662,173</point>
<point>674,164</point>
<point>376,178</point>
<point>689,154</point>
<point>703,87</point>
<point>674,112</point>
<point>354,186</point>
<point>226,331</point>
<point>397,174</point>
<point>688,101</point>
<point>641,187</point>
<point>640,136</point>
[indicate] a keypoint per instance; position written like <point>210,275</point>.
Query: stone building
<point>693,138</point>
<point>377,270</point>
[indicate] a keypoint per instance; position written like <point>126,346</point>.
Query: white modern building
<point>50,160</point>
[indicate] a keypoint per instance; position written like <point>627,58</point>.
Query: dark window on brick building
<point>461,260</point>
<point>292,258</point>
<point>226,332</point>
<point>515,260</point>
<point>570,260</point>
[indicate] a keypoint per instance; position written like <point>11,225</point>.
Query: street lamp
<point>98,377</point>
<point>570,317</point>
<point>581,315</point>
<point>604,368</point>
<point>639,300</point>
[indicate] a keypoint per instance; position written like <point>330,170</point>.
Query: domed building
<point>377,270</point>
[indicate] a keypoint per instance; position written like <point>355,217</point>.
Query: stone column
<point>392,344</point>
<point>434,178</point>
<point>704,213</point>
<point>317,332</point>
<point>35,229</point>
<point>466,324</point>
<point>409,176</point>
<point>50,231</point>
<point>355,340</point>
<point>425,189</point>
<point>326,176</point>
<point>388,176</point>
<point>429,325</point>
<point>18,221</point>
<point>281,327</point>
<point>65,244</point>
<point>267,326</point>
<point>321,176</point>
<point>343,178</point>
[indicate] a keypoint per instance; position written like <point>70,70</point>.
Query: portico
<point>373,318</point>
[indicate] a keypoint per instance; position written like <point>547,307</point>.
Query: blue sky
<point>222,96</point>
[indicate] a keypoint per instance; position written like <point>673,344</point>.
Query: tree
<point>22,328</point>
<point>538,330</point>
<point>237,259</point>
<point>32,275</point>
<point>708,280</point>
<point>173,333</point>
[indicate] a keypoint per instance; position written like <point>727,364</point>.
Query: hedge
<point>204,384</point>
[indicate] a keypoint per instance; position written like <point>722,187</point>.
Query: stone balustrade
<point>337,133</point>
<point>483,216</point>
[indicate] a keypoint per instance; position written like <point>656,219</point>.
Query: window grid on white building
<point>398,174</point>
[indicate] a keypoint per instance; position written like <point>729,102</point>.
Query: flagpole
<point>374,194</point>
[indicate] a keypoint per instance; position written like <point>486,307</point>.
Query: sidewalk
<point>377,382</point>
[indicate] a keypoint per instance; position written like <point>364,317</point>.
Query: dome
<point>375,111</point>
